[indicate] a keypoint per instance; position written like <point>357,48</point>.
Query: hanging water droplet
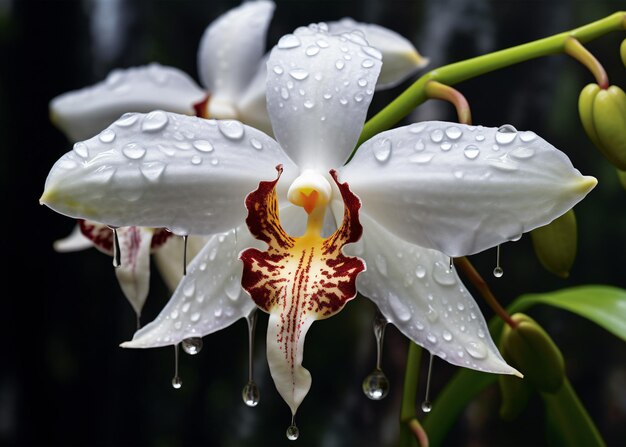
<point>292,432</point>
<point>250,394</point>
<point>426,404</point>
<point>231,129</point>
<point>107,136</point>
<point>192,345</point>
<point>256,144</point>
<point>299,74</point>
<point>185,237</point>
<point>133,151</point>
<point>498,272</point>
<point>506,134</point>
<point>203,145</point>
<point>453,132</point>
<point>127,120</point>
<point>81,149</point>
<point>117,255</point>
<point>471,152</point>
<point>382,149</point>
<point>376,385</point>
<point>176,380</point>
<point>288,41</point>
<point>154,121</point>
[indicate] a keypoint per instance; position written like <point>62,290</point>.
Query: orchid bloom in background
<point>231,65</point>
<point>410,198</point>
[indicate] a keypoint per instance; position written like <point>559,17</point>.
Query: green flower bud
<point>603,115</point>
<point>622,51</point>
<point>622,177</point>
<point>555,244</point>
<point>531,350</point>
<point>515,393</point>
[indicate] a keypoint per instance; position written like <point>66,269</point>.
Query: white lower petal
<point>462,189</point>
<point>400,58</point>
<point>415,290</point>
<point>133,273</point>
<point>208,298</point>
<point>83,113</point>
<point>163,170</point>
<point>169,258</point>
<point>75,241</point>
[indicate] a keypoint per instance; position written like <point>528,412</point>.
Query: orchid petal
<point>230,50</point>
<point>208,298</point>
<point>318,90</point>
<point>75,241</point>
<point>252,105</point>
<point>401,59</point>
<point>187,174</point>
<point>133,273</point>
<point>81,114</point>
<point>416,290</point>
<point>297,280</point>
<point>169,258</point>
<point>462,189</point>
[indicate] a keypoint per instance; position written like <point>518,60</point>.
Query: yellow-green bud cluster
<point>555,244</point>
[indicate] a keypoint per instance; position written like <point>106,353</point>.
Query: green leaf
<point>604,305</point>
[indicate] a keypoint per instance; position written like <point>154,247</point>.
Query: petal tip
<point>586,184</point>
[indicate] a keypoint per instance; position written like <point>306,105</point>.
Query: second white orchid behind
<point>409,199</point>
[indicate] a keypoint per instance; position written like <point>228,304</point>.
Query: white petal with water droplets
<point>133,273</point>
<point>75,241</point>
<point>465,193</point>
<point>209,297</point>
<point>425,300</point>
<point>315,102</point>
<point>152,175</point>
<point>252,105</point>
<point>401,59</point>
<point>231,48</point>
<point>81,114</point>
<point>169,257</point>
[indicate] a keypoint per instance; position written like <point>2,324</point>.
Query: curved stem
<point>460,71</point>
<point>437,90</point>
<point>575,49</point>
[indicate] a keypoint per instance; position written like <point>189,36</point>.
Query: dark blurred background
<point>64,380</point>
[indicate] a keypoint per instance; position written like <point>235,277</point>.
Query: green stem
<point>460,71</point>
<point>411,379</point>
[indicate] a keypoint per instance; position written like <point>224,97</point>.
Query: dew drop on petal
<point>453,132</point>
<point>81,149</point>
<point>476,349</point>
<point>154,121</point>
<point>312,50</point>
<point>288,41</point>
<point>127,120</point>
<point>419,145</point>
<point>284,93</point>
<point>299,74</point>
<point>256,144</point>
<point>416,128</point>
<point>196,160</point>
<point>231,129</point>
<point>373,52</point>
<point>436,135</point>
<point>527,136</point>
<point>367,63</point>
<point>506,134</point>
<point>308,104</point>
<point>203,145</point>
<point>133,151</point>
<point>522,153</point>
<point>152,170</point>
<point>503,164</point>
<point>278,69</point>
<point>480,137</point>
<point>420,271</point>
<point>382,150</point>
<point>471,152</point>
<point>446,335</point>
<point>192,345</point>
<point>340,64</point>
<point>250,394</point>
<point>421,158</point>
<point>194,317</point>
<point>233,287</point>
<point>107,136</point>
<point>443,275</point>
<point>446,146</point>
<point>376,385</point>
<point>399,308</point>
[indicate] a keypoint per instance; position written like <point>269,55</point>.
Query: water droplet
<point>196,160</point>
<point>292,432</point>
<point>432,314</point>
<point>278,69</point>
<point>233,287</point>
<point>343,101</point>
<point>250,394</point>
<point>421,158</point>
<point>195,317</point>
<point>382,149</point>
<point>358,97</point>
<point>446,146</point>
<point>81,149</point>
<point>416,128</point>
<point>308,104</point>
<point>527,136</point>
<point>506,134</point>
<point>453,132</point>
<point>177,382</point>
<point>443,275</point>
<point>459,174</point>
<point>376,385</point>
<point>476,349</point>
<point>340,64</point>
<point>522,153</point>
<point>327,96</point>
<point>107,136</point>
<point>288,41</point>
<point>447,336</point>
<point>427,406</point>
<point>312,50</point>
<point>117,254</point>
<point>299,74</point>
<point>460,306</point>
<point>203,145</point>
<point>480,137</point>
<point>420,271</point>
<point>154,121</point>
<point>373,52</point>
<point>192,345</point>
<point>419,145</point>
<point>189,288</point>
<point>498,272</point>
<point>133,151</point>
<point>503,164</point>
<point>399,308</point>
<point>432,338</point>
<point>322,43</point>
<point>127,120</point>
<point>231,129</point>
<point>471,151</point>
<point>436,135</point>
<point>367,63</point>
<point>152,170</point>
<point>284,93</point>
<point>362,82</point>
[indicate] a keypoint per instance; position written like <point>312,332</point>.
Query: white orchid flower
<point>416,195</point>
<point>232,74</point>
